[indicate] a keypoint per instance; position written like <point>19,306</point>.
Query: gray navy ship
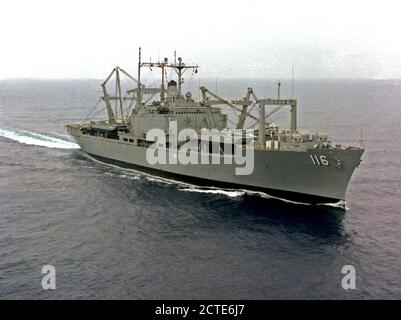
<point>289,164</point>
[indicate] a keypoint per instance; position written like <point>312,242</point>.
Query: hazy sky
<point>248,38</point>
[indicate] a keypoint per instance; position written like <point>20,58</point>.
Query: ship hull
<point>291,175</point>
<point>293,196</point>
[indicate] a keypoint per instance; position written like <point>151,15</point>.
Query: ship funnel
<point>172,89</point>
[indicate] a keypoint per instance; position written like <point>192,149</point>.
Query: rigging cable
<point>92,109</point>
<point>190,79</point>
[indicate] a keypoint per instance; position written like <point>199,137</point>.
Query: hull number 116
<point>319,160</point>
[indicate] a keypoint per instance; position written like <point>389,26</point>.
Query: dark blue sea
<point>113,233</point>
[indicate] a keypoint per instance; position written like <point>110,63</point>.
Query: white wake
<point>37,139</point>
<point>228,193</point>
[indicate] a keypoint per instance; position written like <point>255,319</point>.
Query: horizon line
<point>205,78</point>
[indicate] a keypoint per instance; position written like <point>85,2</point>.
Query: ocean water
<point>121,234</point>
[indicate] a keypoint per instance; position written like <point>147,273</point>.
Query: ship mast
<point>179,69</point>
<point>138,97</point>
<point>179,72</point>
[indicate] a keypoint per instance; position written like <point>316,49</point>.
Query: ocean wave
<point>37,139</point>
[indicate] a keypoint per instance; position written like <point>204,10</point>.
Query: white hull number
<point>319,160</point>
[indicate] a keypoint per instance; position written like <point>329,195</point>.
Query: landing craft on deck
<point>290,164</point>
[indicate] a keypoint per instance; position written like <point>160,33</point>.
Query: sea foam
<point>37,139</point>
